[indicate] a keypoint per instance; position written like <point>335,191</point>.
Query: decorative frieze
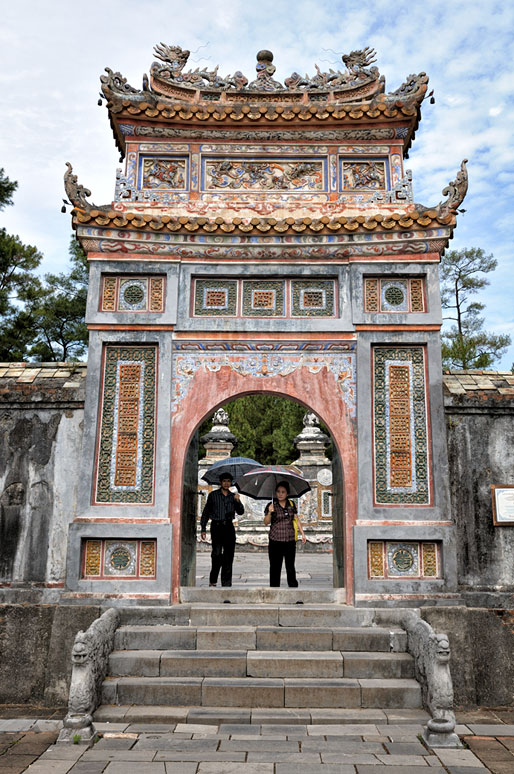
<point>264,298</point>
<point>364,175</point>
<point>394,294</point>
<point>121,559</point>
<point>132,294</point>
<point>275,174</point>
<point>163,173</point>
<point>401,452</point>
<point>397,560</point>
<point>126,452</point>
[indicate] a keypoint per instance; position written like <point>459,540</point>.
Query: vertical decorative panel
<point>371,295</point>
<point>376,559</point>
<point>127,434</point>
<point>417,299</point>
<point>92,557</point>
<point>156,294</point>
<point>430,563</point>
<point>401,454</point>
<point>147,558</point>
<point>109,294</point>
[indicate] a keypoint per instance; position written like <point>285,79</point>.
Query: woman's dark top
<point>282,529</point>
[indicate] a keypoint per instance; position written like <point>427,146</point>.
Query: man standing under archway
<point>221,508</point>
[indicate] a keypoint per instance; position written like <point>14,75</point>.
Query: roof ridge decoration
<point>360,82</point>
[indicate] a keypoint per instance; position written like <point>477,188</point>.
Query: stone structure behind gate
<point>263,238</point>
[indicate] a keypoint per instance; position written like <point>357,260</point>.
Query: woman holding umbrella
<point>281,514</point>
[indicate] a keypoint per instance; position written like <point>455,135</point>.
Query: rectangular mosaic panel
<point>312,298</point>
<point>264,174</point>
<point>132,294</point>
<point>364,175</point>
<point>263,299</point>
<point>394,294</point>
<point>163,173</point>
<point>401,454</point>
<point>127,559</point>
<point>125,468</point>
<point>396,560</point>
<point>216,298</point>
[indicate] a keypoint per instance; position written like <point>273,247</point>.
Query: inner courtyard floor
<point>251,568</point>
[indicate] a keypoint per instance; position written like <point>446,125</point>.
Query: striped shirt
<point>282,528</point>
<point>220,507</point>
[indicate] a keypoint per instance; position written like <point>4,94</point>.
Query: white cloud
<point>52,54</point>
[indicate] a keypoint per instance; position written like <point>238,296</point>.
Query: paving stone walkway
<point>26,745</point>
<point>252,569</point>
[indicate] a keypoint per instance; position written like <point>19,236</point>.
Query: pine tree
<point>467,345</point>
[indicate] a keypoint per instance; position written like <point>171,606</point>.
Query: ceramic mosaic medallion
<point>401,454</point>
<point>312,298</point>
<point>395,560</point>
<point>132,294</point>
<point>394,294</point>
<point>127,559</point>
<point>125,466</point>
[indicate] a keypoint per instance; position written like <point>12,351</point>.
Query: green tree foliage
<point>58,310</point>
<point>265,426</point>
<point>467,344</point>
<point>40,319</point>
<point>7,188</point>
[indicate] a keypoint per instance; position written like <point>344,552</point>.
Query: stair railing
<point>89,658</point>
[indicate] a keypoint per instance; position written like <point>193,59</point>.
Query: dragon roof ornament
<point>456,190</point>
<point>359,82</point>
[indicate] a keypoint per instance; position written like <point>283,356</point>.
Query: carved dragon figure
<point>456,190</point>
<point>76,192</point>
<point>357,61</point>
<point>89,658</point>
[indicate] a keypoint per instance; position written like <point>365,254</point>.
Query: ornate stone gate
<point>263,238</point>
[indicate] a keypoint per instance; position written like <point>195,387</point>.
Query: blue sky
<point>52,54</point>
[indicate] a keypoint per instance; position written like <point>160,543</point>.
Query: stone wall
<point>479,409</point>
<point>41,412</point>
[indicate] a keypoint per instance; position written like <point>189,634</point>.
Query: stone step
<point>259,663</point>
<point>166,637</point>
<point>262,594</point>
<point>279,615</point>
<point>164,714</point>
<point>263,692</point>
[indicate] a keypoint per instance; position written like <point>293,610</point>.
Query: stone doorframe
<point>322,382</point>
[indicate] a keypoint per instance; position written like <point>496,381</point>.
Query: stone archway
<point>322,382</point>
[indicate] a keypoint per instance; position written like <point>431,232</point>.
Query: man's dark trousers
<point>223,536</point>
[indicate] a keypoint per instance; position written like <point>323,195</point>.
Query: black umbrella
<point>235,466</point>
<point>260,483</point>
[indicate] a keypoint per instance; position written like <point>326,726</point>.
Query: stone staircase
<point>271,655</point>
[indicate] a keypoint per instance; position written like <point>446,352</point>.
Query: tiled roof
<point>479,384</point>
<point>396,221</point>
<point>68,375</point>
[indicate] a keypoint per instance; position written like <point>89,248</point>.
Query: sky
<point>52,54</point>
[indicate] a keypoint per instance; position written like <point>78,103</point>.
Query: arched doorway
<point>315,388</point>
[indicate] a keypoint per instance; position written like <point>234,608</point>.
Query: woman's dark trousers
<point>279,550</point>
<point>223,536</point>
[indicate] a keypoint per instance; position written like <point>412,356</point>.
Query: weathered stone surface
<point>294,664</point>
<point>390,693</point>
<point>322,693</point>
<point>370,665</point>
<point>280,638</point>
<point>249,692</point>
<point>221,663</point>
<point>159,690</point>
<point>160,637</point>
<point>224,637</point>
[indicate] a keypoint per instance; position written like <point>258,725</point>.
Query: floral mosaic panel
<point>394,294</point>
<point>401,453</point>
<point>164,173</point>
<point>396,560</point>
<point>216,298</point>
<point>312,298</point>
<point>266,174</point>
<point>263,299</point>
<point>126,453</point>
<point>127,559</point>
<point>364,175</point>
<point>132,294</point>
